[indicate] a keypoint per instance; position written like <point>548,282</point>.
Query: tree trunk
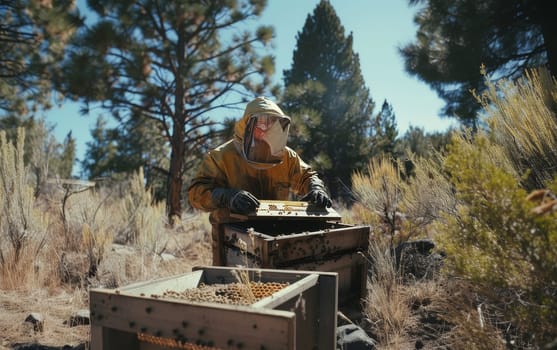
<point>548,25</point>
<point>175,182</point>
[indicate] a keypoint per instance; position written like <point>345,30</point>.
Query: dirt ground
<point>56,305</point>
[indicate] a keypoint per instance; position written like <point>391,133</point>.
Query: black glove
<point>238,201</point>
<point>318,196</point>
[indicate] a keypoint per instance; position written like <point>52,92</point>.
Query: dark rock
<point>352,337</point>
<point>37,320</point>
<point>81,317</point>
<point>416,259</point>
<point>421,246</point>
<point>45,347</point>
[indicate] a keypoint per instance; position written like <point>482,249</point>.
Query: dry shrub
<point>142,218</point>
<point>431,313</point>
<point>402,209</point>
<point>90,226</point>
<point>453,317</point>
<point>358,214</point>
<point>146,221</point>
<point>23,228</point>
<point>188,244</point>
<point>386,305</point>
<point>92,220</point>
<point>379,190</point>
<point>427,196</point>
<point>521,117</point>
<point>188,239</point>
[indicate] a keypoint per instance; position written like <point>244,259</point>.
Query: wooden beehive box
<point>296,236</point>
<point>301,315</point>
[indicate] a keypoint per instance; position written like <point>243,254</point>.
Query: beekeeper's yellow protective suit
<point>255,164</point>
<point>280,172</point>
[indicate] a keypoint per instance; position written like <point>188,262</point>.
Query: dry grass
<point>379,191</point>
<point>523,122</point>
<point>23,228</point>
<point>186,246</point>
<point>52,276</point>
<point>379,188</point>
<point>402,209</point>
<point>386,304</point>
<point>431,313</point>
<point>56,306</point>
<point>122,265</point>
<point>242,275</point>
<point>427,195</point>
<point>466,323</point>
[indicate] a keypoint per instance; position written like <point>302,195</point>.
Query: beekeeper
<point>255,164</point>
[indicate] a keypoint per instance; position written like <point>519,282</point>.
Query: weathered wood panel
<point>300,316</point>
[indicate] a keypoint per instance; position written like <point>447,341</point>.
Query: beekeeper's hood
<point>262,133</point>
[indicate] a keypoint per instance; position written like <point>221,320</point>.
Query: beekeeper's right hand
<point>238,201</point>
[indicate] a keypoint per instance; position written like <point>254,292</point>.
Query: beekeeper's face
<point>265,138</point>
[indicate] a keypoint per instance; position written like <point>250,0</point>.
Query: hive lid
<point>271,209</point>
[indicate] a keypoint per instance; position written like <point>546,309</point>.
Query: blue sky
<point>378,28</point>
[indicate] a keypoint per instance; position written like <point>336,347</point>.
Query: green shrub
<point>494,240</point>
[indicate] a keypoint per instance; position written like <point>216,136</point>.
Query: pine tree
<point>100,151</point>
<point>326,95</point>
<point>67,157</point>
<point>33,35</point>
<point>172,62</point>
<point>45,157</point>
<point>455,38</point>
<point>423,144</point>
<point>384,132</point>
<point>119,151</point>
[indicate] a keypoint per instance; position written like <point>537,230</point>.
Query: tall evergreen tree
<point>326,95</point>
<point>172,62</point>
<point>33,35</point>
<point>118,151</point>
<point>423,144</point>
<point>45,157</point>
<point>100,152</point>
<point>141,143</point>
<point>384,132</point>
<point>456,37</point>
<point>67,157</point>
